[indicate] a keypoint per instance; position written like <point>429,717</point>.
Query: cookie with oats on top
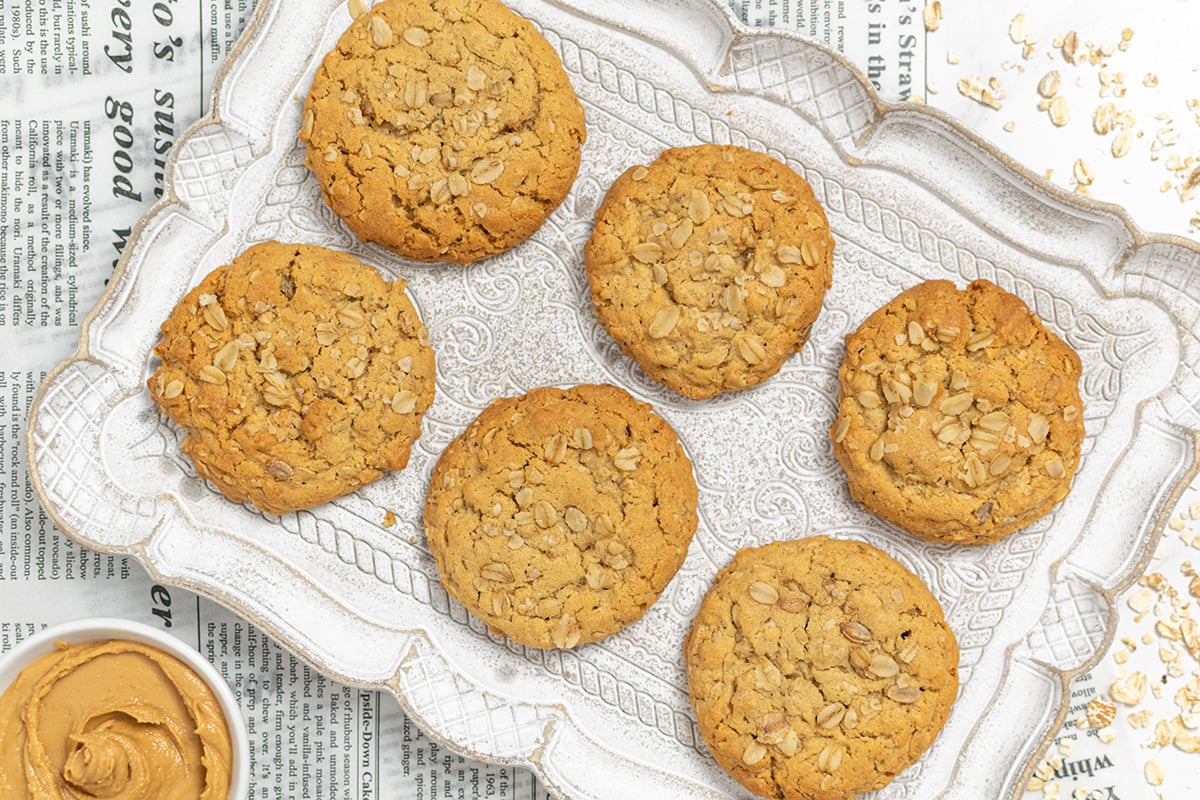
<point>558,517</point>
<point>443,130</point>
<point>709,266</point>
<point>298,373</point>
<point>959,418</point>
<point>819,669</point>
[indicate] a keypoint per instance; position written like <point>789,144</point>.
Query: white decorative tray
<point>910,195</point>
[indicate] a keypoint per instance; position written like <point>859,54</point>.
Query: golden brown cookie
<point>959,419</point>
<point>709,266</point>
<point>299,374</point>
<point>559,516</point>
<point>819,669</point>
<point>444,130</point>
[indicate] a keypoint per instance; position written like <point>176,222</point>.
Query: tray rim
<point>739,33</point>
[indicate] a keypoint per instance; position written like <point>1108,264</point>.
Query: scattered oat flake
<point>1166,730</point>
<point>1070,46</point>
<point>951,57</point>
<point>1142,600</point>
<point>932,14</point>
<point>1060,112</point>
<point>1121,144</point>
<point>1100,713</point>
<point>1104,118</point>
<point>1188,742</point>
<point>1049,84</point>
<point>1083,173</point>
<point>1153,773</point>
<point>1010,126</point>
<point>1150,80</point>
<point>1016,29</point>
<point>988,94</point>
<point>1129,690</point>
<point>1140,719</point>
<point>1167,136</point>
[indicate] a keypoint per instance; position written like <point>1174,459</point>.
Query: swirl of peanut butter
<point>114,719</point>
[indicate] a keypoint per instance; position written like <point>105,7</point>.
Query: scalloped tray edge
<point>1038,189</point>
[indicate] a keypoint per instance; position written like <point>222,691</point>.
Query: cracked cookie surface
<point>558,517</point>
<point>959,418</point>
<point>819,668</point>
<point>443,130</point>
<point>709,266</point>
<point>299,374</point>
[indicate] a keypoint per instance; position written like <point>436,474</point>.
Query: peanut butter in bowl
<point>119,718</point>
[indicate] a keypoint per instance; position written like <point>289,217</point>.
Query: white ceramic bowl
<point>104,628</point>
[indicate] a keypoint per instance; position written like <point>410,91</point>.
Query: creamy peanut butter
<point>112,719</point>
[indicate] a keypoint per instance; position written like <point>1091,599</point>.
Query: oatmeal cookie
<point>443,130</point>
<point>709,266</point>
<point>299,374</point>
<point>819,669</point>
<point>960,418</point>
<point>558,517</point>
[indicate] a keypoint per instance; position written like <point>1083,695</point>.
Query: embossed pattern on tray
<point>909,196</point>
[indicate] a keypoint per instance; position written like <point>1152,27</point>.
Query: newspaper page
<point>885,39</point>
<point>95,93</point>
